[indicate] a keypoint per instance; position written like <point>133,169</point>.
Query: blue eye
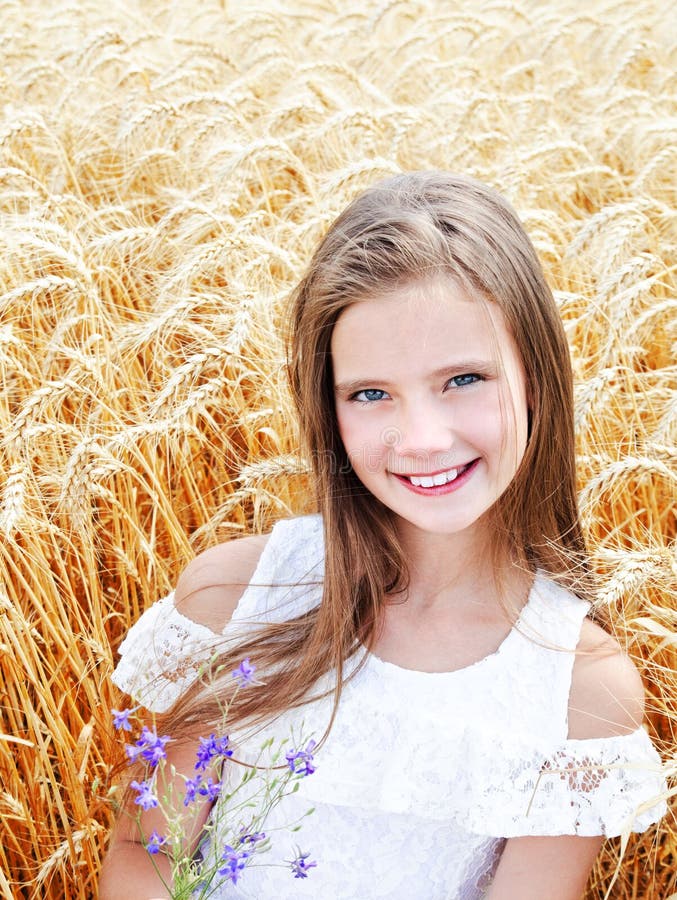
<point>464,380</point>
<point>369,395</point>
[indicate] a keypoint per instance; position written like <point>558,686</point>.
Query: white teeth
<point>428,481</point>
<point>443,478</point>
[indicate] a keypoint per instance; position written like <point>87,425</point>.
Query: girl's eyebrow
<point>480,366</point>
<point>467,366</point>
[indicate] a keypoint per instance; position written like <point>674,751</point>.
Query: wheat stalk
<point>165,172</point>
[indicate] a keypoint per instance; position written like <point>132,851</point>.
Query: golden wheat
<point>165,170</point>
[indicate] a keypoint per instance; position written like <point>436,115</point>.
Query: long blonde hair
<point>407,228</point>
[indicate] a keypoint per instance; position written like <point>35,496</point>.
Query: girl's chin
<point>466,527</point>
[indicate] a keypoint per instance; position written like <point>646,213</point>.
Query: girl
<point>478,734</point>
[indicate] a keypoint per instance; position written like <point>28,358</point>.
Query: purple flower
<point>209,749</point>
<point>244,673</point>
<point>154,747</point>
<point>133,752</point>
<point>149,747</point>
<point>192,789</point>
<point>146,798</point>
<point>299,866</point>
<point>210,790</point>
<point>195,786</point>
<point>252,838</point>
<point>121,718</point>
<point>155,842</point>
<point>235,861</point>
<point>301,761</point>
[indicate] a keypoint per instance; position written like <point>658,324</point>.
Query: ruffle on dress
<point>500,785</point>
<point>383,755</point>
<point>162,655</point>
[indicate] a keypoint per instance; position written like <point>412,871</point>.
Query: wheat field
<point>165,171</point>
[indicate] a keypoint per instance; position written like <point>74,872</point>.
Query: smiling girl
<point>478,734</point>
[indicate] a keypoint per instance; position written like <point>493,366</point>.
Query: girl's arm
<point>207,592</point>
<point>607,699</point>
<point>129,871</point>
<point>532,868</point>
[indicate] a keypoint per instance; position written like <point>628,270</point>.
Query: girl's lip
<point>436,490</point>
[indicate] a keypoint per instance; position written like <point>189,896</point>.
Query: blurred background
<point>165,170</point>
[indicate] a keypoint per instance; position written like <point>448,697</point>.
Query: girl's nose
<point>420,430</point>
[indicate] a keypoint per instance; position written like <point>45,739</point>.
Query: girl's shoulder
<point>607,696</point>
<point>211,585</point>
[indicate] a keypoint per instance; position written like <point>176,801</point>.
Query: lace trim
<point>162,655</point>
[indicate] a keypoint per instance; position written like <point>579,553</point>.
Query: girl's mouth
<point>439,483</point>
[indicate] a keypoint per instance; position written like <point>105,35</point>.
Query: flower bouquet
<point>234,836</point>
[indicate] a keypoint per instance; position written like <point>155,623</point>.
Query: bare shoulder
<point>211,585</point>
<point>607,695</point>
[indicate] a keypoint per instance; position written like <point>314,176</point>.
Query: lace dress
<point>423,775</point>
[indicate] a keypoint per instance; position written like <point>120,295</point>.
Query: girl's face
<point>431,400</point>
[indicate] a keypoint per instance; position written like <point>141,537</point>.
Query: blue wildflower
<point>210,790</point>
<point>149,747</point>
<point>244,674</point>
<point>133,752</point>
<point>155,842</point>
<point>301,864</point>
<point>301,761</point>
<point>235,861</point>
<point>196,786</point>
<point>152,746</point>
<point>192,789</point>
<point>253,838</point>
<point>121,719</point>
<point>209,749</point>
<point>146,798</point>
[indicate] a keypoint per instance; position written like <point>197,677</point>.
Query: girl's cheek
<point>353,432</point>
<point>480,422</point>
<point>354,422</point>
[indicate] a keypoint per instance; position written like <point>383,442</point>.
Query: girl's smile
<point>431,402</point>
<point>436,483</point>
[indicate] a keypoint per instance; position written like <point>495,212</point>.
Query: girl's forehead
<point>432,320</point>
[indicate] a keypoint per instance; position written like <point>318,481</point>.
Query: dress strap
<point>553,615</point>
<point>543,649</point>
<point>288,578</point>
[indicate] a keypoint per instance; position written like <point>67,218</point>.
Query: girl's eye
<point>459,381</point>
<point>369,395</point>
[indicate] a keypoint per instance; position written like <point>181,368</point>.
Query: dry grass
<point>165,169</point>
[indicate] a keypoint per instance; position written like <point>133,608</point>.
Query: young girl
<point>477,733</point>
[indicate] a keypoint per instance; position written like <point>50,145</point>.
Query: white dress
<point>423,775</point>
